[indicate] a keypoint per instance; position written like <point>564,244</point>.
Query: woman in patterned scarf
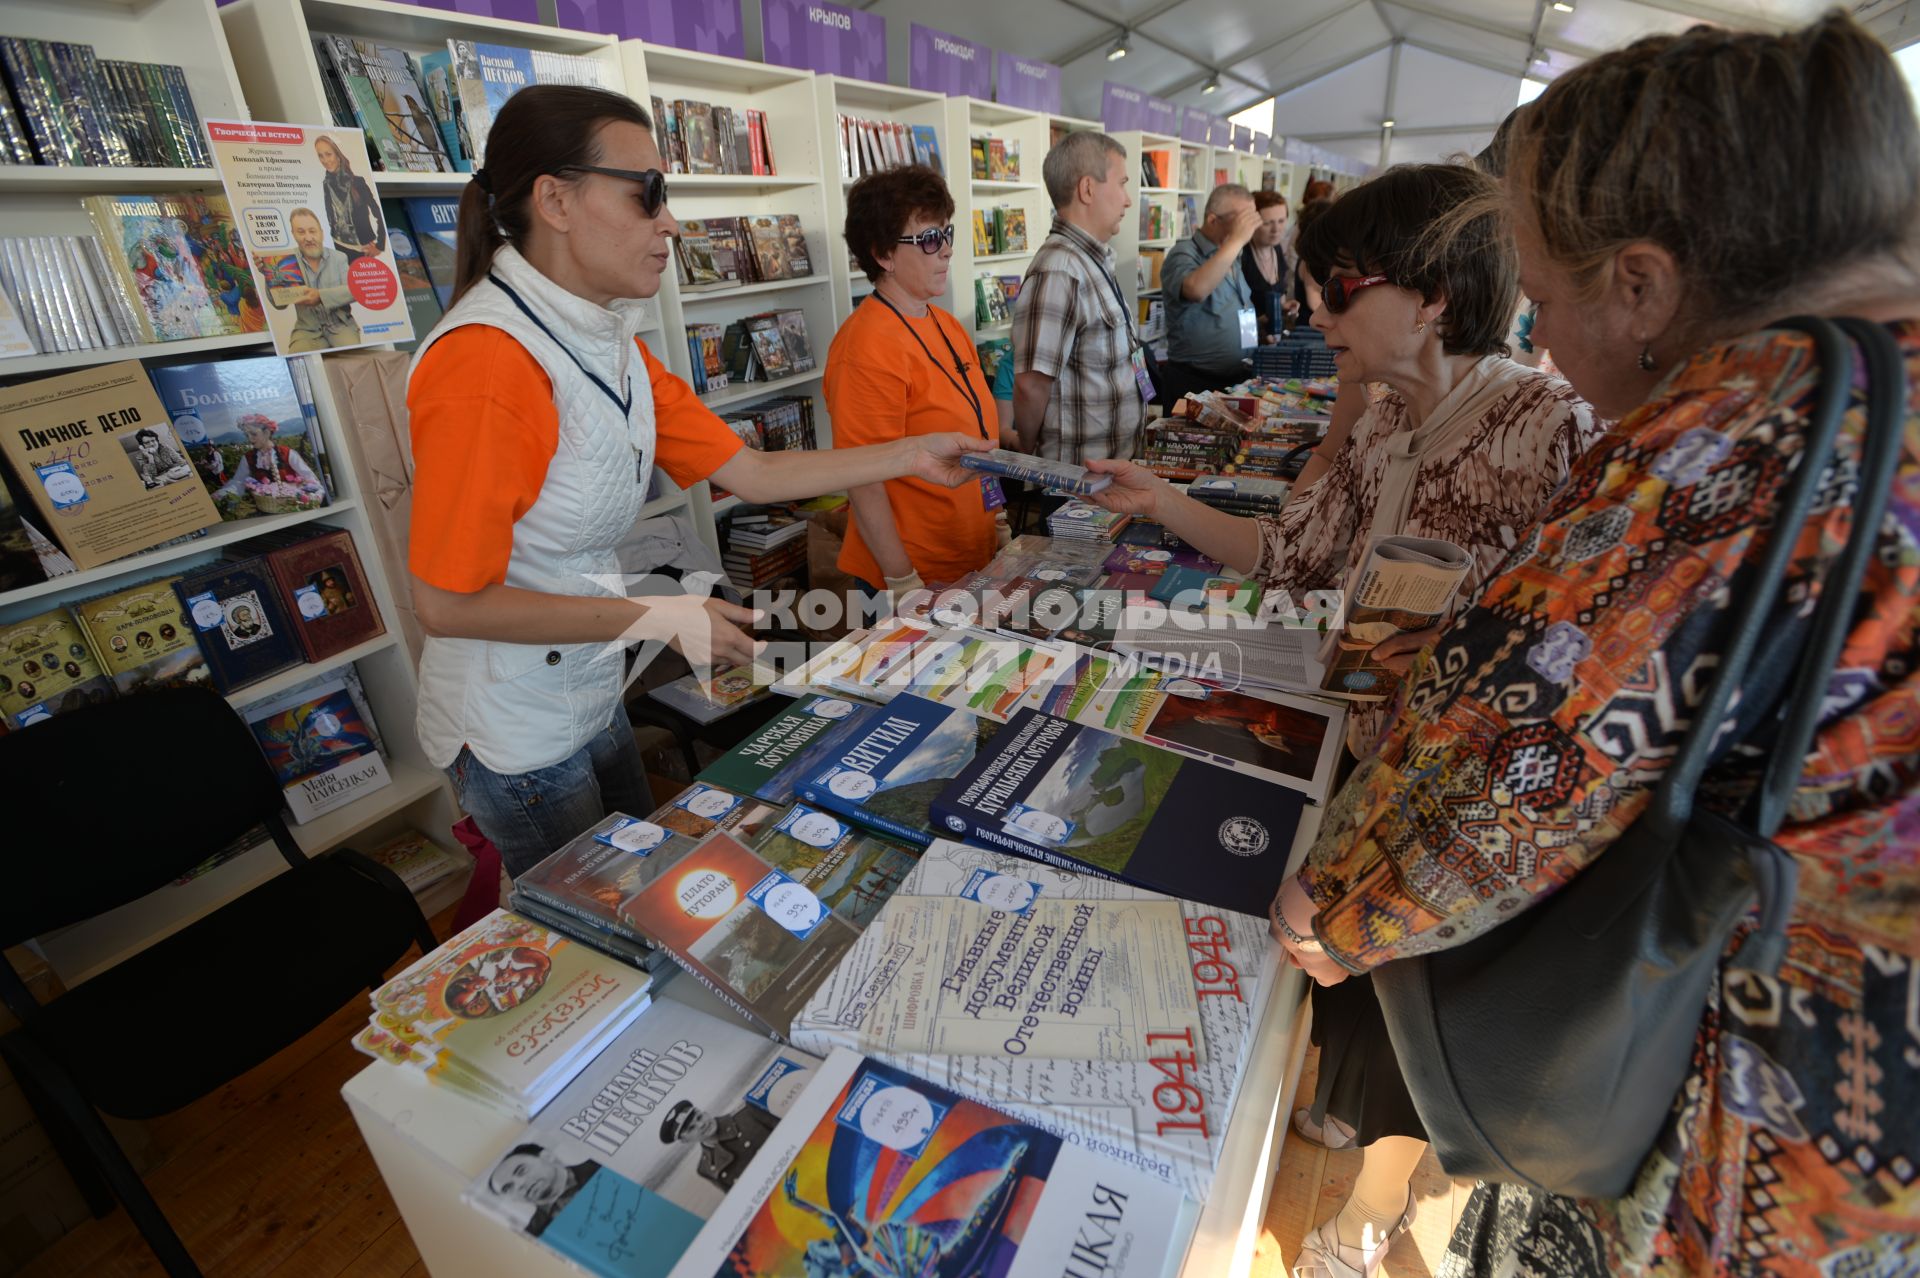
<point>1670,200</point>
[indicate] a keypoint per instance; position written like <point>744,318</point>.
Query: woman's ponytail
<point>543,129</point>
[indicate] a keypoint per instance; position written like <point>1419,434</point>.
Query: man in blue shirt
<point>1209,305</point>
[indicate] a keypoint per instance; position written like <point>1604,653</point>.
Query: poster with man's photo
<point>645,1142</point>
<point>315,234</point>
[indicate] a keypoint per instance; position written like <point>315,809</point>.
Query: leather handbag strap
<point>1672,805</point>
<point>1880,456</point>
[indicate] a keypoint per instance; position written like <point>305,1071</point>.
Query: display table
<point>430,1142</point>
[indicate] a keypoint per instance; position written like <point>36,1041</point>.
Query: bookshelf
<point>805,160</point>
<point>968,118</point>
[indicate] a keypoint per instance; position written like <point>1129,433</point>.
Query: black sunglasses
<point>653,183</point>
<point>931,240</point>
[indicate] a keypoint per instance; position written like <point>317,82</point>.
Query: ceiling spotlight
<point>1386,124</point>
<point>1563,6</point>
<point>1212,85</point>
<point>1119,49</point>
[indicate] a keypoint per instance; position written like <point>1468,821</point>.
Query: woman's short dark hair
<point>543,129</point>
<point>1399,225</point>
<point>881,205</point>
<point>1264,200</point>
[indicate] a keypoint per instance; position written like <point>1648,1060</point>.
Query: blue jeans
<point>529,815</point>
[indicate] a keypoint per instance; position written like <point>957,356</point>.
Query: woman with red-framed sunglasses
<point>1464,446</point>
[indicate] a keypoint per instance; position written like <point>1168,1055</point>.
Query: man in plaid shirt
<point>1075,394</point>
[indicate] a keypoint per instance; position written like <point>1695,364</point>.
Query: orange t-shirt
<point>485,428</point>
<point>881,386</point>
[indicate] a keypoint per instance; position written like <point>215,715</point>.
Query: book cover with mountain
<point>851,871</point>
<point>771,761</point>
<point>242,425</point>
<point>423,302</point>
<point>895,762</point>
<point>435,221</point>
<point>1085,799</point>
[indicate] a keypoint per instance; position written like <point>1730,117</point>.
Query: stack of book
<point>1078,520</point>
<point>1156,169</point>
<point>706,353</point>
<point>699,137</point>
<point>1000,229</point>
<point>727,252</point>
<point>1193,169</point>
<point>62,104</point>
<point>762,546</point>
<point>994,159</point>
<point>868,146</point>
<point>708,700</point>
<point>507,1012</point>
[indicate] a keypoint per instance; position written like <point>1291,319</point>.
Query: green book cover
<point>767,764</point>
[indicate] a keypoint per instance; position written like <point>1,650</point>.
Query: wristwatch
<point>1305,944</point>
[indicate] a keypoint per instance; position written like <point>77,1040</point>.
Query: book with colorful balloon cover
<point>874,1171</point>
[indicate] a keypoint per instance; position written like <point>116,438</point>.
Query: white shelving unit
<point>805,160</point>
<point>46,200</point>
<point>968,118</point>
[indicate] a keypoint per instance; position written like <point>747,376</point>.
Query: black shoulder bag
<point>1548,1052</point>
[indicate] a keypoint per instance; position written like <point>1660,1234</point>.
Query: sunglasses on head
<point>652,183</point>
<point>1338,291</point>
<point>931,240</point>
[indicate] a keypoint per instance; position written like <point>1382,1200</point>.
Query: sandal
<point>1323,1255</point>
<point>1328,1135</point>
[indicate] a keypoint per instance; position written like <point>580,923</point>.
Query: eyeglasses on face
<point>652,182</point>
<point>1338,291</point>
<point>931,240</point>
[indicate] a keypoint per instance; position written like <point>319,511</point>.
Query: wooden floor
<point>269,1177</point>
<point>1310,1185</point>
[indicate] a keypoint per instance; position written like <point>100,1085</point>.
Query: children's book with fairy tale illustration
<point>236,614</point>
<point>180,261</point>
<point>756,936</point>
<point>321,748</point>
<point>874,1171</point>
<point>513,1004</point>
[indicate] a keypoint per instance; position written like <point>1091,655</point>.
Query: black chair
<point>110,803</point>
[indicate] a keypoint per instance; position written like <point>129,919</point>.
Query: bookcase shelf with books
<point>1160,200</point>
<point>272,42</point>
<point>91,179</point>
<point>836,97</point>
<point>798,186</point>
<point>1017,140</point>
<point>288,679</point>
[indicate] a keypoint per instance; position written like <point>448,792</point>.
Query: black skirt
<point>1359,1081</point>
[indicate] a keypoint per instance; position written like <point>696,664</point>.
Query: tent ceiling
<point>1329,62</point>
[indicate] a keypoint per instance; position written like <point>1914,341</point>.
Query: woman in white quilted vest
<point>538,418</point>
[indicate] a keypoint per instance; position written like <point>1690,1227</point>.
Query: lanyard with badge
<point>1137,353</point>
<point>991,495</point>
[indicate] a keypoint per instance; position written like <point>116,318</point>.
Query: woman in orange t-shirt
<point>516,512</point>
<point>901,368</point>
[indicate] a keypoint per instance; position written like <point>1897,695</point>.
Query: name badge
<point>992,496</point>
<point>1141,378</point>
<point>1249,328</point>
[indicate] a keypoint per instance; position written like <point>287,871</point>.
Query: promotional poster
<point>303,201</point>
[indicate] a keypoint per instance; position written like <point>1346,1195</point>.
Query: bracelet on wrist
<point>1309,944</point>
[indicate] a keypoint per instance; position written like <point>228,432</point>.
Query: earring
<point>1646,358</point>
<point>1420,327</point>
